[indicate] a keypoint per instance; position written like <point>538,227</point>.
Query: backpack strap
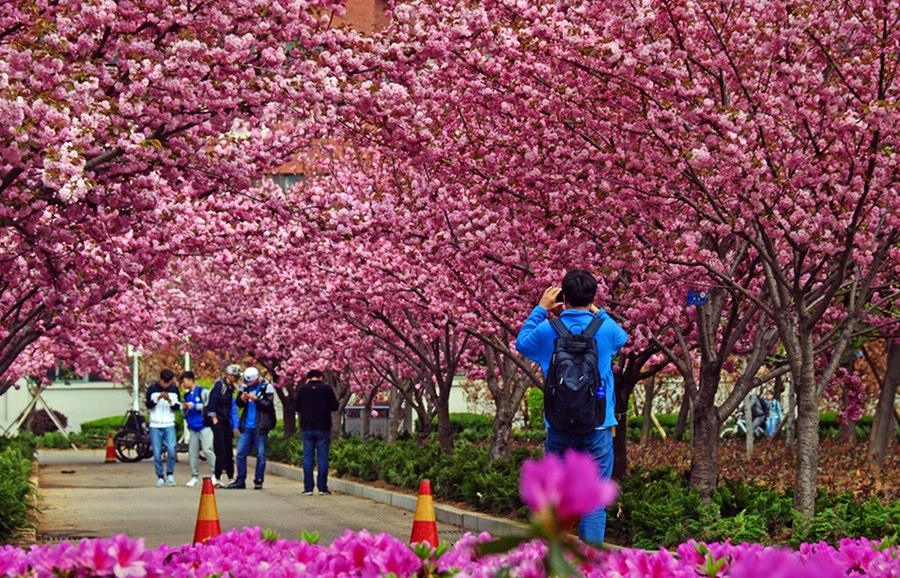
<point>592,327</point>
<point>560,327</point>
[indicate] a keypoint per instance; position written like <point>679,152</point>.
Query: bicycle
<point>735,425</point>
<point>132,442</point>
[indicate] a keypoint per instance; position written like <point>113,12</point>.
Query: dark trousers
<point>316,444</point>
<point>223,446</point>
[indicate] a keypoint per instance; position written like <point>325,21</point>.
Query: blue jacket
<point>194,416</point>
<point>535,341</point>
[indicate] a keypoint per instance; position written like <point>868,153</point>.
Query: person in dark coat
<point>315,401</point>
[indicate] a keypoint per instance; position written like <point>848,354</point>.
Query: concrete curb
<point>499,527</point>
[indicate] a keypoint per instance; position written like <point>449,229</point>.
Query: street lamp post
<point>132,352</point>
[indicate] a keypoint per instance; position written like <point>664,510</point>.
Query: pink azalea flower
<point>129,556</point>
<point>570,486</point>
<point>94,555</point>
<point>13,561</point>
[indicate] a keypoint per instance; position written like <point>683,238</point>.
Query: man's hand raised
<point>548,299</point>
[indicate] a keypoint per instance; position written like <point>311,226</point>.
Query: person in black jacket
<point>256,398</point>
<point>315,401</point>
<point>224,425</point>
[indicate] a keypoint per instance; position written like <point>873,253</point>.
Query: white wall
<point>79,402</point>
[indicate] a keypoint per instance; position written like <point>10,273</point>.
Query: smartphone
<point>559,297</point>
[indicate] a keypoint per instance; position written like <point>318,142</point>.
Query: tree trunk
<point>648,409</point>
<point>683,414</point>
<point>425,427</point>
<point>508,390</point>
<point>287,395</point>
<point>407,417</point>
<point>625,382</point>
<point>778,388</point>
<point>445,434</point>
<point>748,421</point>
<point>500,432</point>
<point>705,451</point>
<point>789,417</point>
<point>848,430</point>
<point>395,416</point>
<point>807,440</point>
<point>367,417</point>
<point>883,423</point>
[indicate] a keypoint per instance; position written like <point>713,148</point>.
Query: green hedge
<point>464,476</point>
<point>103,426</point>
<point>658,508</point>
<point>17,507</point>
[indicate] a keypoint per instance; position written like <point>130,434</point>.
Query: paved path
<point>101,500</point>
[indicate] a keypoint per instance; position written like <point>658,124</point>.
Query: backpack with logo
<point>573,381</point>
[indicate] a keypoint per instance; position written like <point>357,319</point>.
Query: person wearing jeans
<point>574,303</point>
<point>598,444</point>
<point>162,401</point>
<point>314,402</point>
<point>256,398</point>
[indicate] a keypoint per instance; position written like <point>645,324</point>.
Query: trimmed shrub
<point>41,422</point>
<point>16,491</point>
<point>535,400</point>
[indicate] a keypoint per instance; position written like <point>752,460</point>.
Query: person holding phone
<point>163,401</point>
<point>256,398</point>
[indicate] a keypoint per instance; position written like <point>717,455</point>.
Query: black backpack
<point>573,379</point>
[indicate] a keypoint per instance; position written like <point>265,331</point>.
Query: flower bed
<point>249,553</point>
<point>558,490</point>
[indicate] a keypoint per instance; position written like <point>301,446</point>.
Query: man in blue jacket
<point>536,342</point>
<point>256,398</point>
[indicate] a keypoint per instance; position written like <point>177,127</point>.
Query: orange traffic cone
<point>208,515</point>
<point>424,525</point>
<point>110,451</point>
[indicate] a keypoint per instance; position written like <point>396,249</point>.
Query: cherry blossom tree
<point>767,126</point>
<point>116,117</point>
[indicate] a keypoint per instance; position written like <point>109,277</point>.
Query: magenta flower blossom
<point>13,561</point>
<point>570,486</point>
<point>128,555</point>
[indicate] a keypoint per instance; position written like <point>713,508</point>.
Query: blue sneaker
<point>170,479</point>
<point>160,482</point>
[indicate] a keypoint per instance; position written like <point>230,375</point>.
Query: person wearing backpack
<point>575,352</point>
<point>224,417</point>
<point>194,410</point>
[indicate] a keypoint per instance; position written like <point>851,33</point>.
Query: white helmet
<point>250,374</point>
<point>233,369</point>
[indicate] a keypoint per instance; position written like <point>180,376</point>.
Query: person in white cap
<point>256,398</point>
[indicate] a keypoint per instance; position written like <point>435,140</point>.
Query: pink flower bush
<point>247,553</point>
<point>557,489</point>
<point>569,486</point>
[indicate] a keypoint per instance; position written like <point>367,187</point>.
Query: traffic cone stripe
<point>424,509</point>
<point>207,515</point>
